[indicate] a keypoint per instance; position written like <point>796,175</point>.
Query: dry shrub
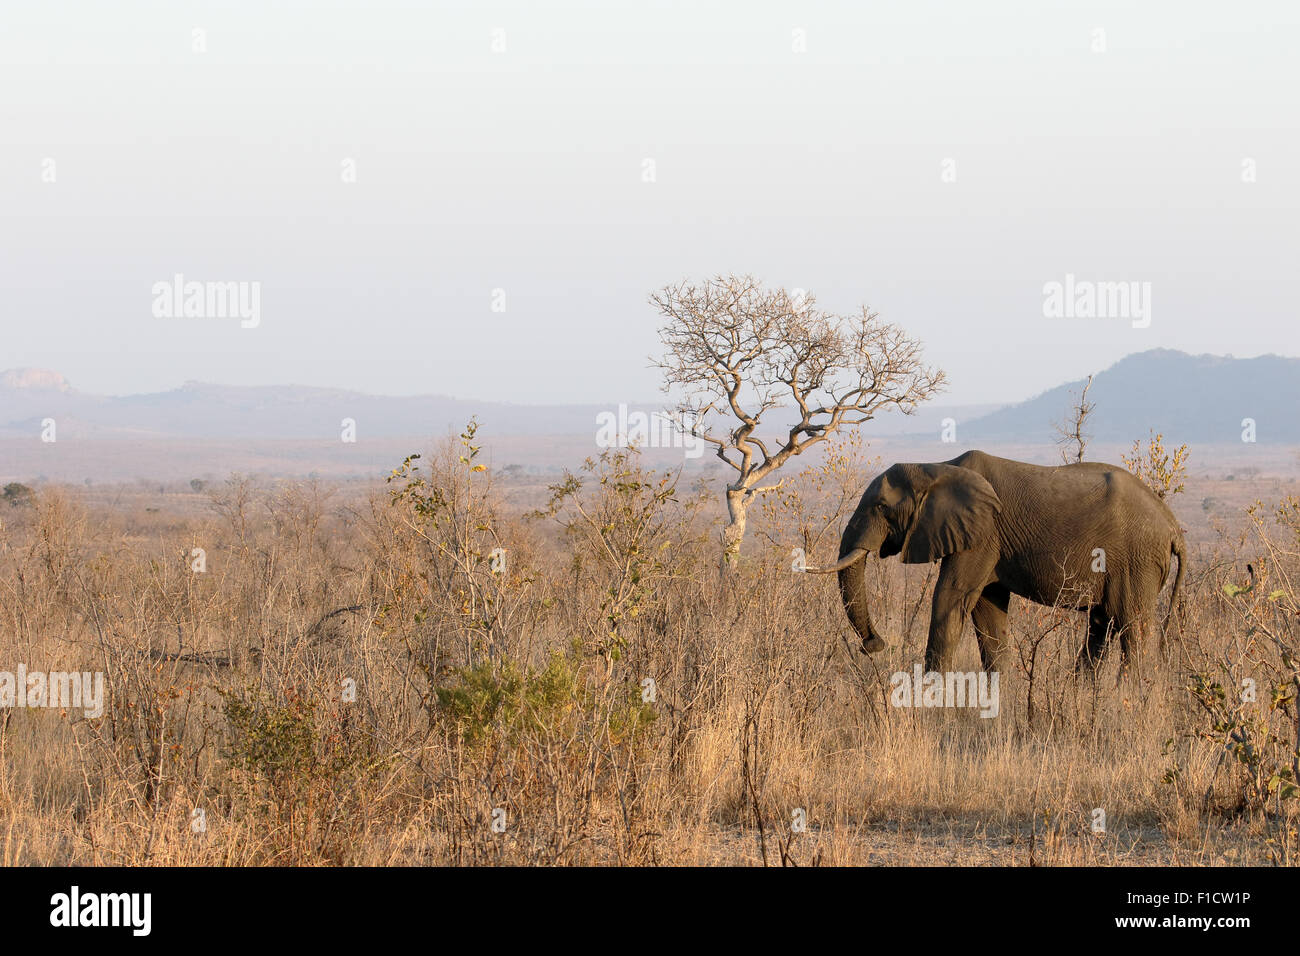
<point>424,673</point>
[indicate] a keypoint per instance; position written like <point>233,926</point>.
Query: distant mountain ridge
<point>1188,398</point>
<point>41,378</point>
<point>199,410</point>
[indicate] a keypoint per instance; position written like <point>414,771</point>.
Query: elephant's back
<point>1071,526</point>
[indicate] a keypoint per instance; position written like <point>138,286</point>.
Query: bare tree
<point>1070,431</point>
<point>738,351</point>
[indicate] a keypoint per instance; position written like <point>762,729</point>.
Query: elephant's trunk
<point>853,589</point>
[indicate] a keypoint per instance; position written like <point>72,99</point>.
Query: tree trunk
<point>738,500</point>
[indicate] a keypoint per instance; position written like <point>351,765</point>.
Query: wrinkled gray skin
<point>1004,527</point>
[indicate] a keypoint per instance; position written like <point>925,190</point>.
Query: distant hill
<point>1190,398</point>
<point>200,411</point>
<point>210,430</point>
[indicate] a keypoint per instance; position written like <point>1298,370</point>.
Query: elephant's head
<point>921,512</point>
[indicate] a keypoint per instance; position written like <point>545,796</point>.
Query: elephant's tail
<point>1179,550</point>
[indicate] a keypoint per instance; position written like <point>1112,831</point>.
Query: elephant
<point>1089,536</point>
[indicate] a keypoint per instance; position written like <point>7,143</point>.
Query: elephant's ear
<point>956,514</point>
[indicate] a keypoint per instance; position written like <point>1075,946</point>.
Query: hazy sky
<point>524,171</point>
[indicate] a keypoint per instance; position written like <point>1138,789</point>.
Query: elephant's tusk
<point>850,559</point>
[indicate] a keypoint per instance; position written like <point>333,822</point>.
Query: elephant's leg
<point>962,578</point>
<point>1132,635</point>
<point>990,617</point>
<point>1099,628</point>
<point>1128,614</point>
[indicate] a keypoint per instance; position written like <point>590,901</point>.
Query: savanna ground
<point>502,711</point>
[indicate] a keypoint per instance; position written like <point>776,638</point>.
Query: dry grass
<point>521,690</point>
